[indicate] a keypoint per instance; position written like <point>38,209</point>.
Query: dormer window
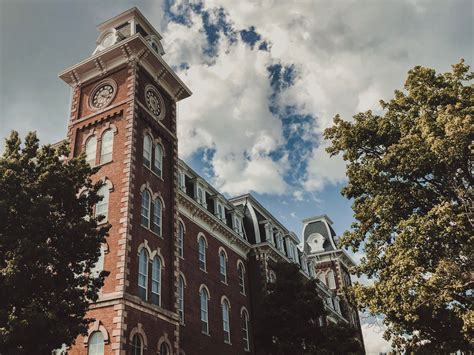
<point>237,221</point>
<point>181,181</point>
<point>201,196</point>
<point>219,210</point>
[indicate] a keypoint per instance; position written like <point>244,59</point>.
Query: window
<point>202,253</point>
<point>311,270</point>
<point>107,146</point>
<point>331,280</point>
<point>147,147</point>
<point>95,344</point>
<point>181,239</point>
<point>245,330</point>
<point>145,209</point>
<point>237,225</point>
<point>201,196</point>
<point>181,298</point>
<point>223,266</point>
<point>225,321</point>
<point>164,349</point>
<point>156,221</point>
<point>137,345</point>
<point>143,274</point>
<point>99,265</point>
<point>102,207</point>
<point>272,276</point>
<point>181,181</point>
<point>91,146</point>
<point>156,281</point>
<point>241,272</point>
<point>220,212</point>
<point>158,162</point>
<point>204,300</point>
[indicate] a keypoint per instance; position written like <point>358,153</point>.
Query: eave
<point>131,49</point>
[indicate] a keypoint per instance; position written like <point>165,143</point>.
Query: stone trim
<point>97,326</point>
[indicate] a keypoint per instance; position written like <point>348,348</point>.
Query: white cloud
<point>373,339</point>
<point>347,56</point>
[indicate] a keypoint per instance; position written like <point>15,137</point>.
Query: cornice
<point>194,211</point>
<point>133,49</point>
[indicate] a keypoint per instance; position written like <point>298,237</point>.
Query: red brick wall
<point>191,339</point>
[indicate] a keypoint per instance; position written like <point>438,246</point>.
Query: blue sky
<point>267,78</point>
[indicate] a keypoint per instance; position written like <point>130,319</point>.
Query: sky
<point>267,78</point>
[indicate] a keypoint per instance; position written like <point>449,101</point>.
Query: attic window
<point>155,47</point>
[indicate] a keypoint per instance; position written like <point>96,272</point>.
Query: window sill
<point>204,333</point>
<point>203,270</point>
<point>149,230</point>
<point>224,282</point>
<point>100,165</point>
<point>243,293</point>
<point>151,171</point>
<point>227,342</point>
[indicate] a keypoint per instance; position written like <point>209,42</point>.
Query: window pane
<point>158,162</point>
<point>222,267</point>
<point>96,344</point>
<point>164,350</point>
<point>107,146</point>
<point>181,239</point>
<point>91,146</point>
<point>204,315</point>
<point>145,209</point>
<point>202,254</point>
<point>102,206</point>
<point>99,265</point>
<point>241,278</point>
<point>181,299</point>
<point>156,281</point>
<point>156,225</point>
<point>225,321</point>
<point>142,274</point>
<point>147,150</point>
<point>136,345</point>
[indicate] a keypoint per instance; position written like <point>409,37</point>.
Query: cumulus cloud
<point>331,57</point>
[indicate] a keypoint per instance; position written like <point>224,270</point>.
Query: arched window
<point>99,265</point>
<point>204,301</point>
<point>143,274</point>
<point>331,280</point>
<point>107,146</point>
<point>272,276</point>
<point>241,272</point>
<point>225,320</point>
<point>181,239</point>
<point>147,148</point>
<point>158,161</point>
<point>181,298</point>
<point>223,266</point>
<point>164,349</point>
<point>137,345</point>
<point>102,207</point>
<point>145,209</point>
<point>245,330</point>
<point>202,254</point>
<point>91,146</point>
<point>95,345</point>
<point>156,220</point>
<point>156,281</point>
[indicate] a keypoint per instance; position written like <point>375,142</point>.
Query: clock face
<point>102,96</point>
<point>153,102</point>
<point>108,40</point>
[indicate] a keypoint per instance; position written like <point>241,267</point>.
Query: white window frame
<point>91,150</point>
<point>96,348</point>
<point>106,146</point>
<point>143,272</point>
<point>204,306</point>
<point>181,239</point>
<point>225,305</point>
<point>223,266</point>
<point>241,272</point>
<point>202,246</point>
<point>158,160</point>
<point>181,287</point>
<point>156,221</point>
<point>147,150</point>
<point>145,208</point>
<point>156,279</point>
<point>102,206</point>
<point>245,329</point>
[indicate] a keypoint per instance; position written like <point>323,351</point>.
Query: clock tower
<point>123,117</point>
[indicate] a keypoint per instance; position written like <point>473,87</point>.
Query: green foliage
<point>48,246</point>
<point>410,177</point>
<point>288,319</point>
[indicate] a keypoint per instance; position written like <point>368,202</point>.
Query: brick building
<point>186,264</point>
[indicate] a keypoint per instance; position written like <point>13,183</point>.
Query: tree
<point>410,177</point>
<point>49,243</point>
<point>288,319</point>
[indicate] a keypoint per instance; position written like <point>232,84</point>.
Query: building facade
<point>186,264</point>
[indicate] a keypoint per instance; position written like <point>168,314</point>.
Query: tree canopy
<point>288,321</point>
<point>409,173</point>
<point>49,242</point>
